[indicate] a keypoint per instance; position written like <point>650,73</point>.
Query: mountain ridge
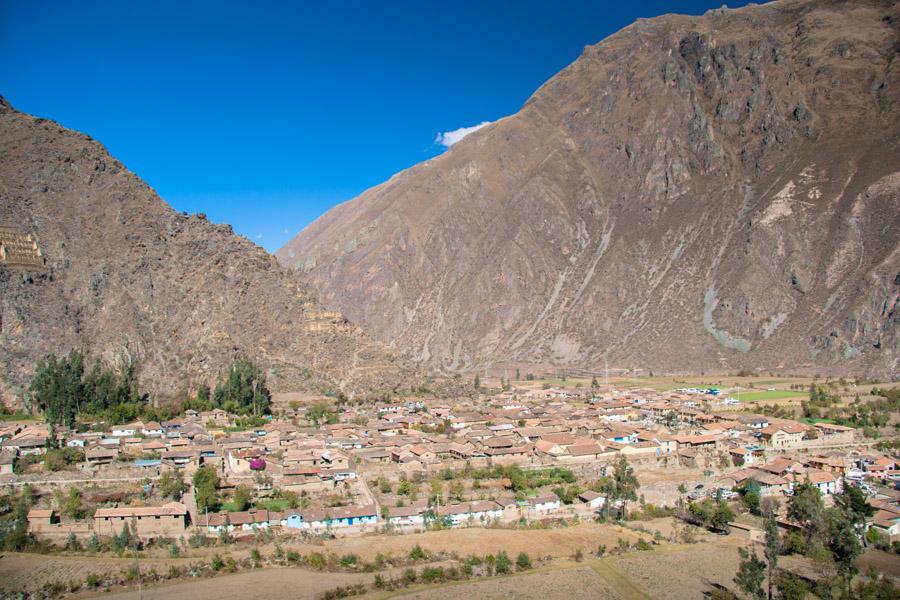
<point>129,278</point>
<point>692,193</point>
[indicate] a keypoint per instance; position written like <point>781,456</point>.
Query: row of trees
<point>63,389</point>
<point>619,488</point>
<point>833,537</point>
<point>243,392</point>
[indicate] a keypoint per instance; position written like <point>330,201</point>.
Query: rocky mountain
<point>692,193</point>
<point>112,269</point>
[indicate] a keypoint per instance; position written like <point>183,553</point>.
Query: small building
<point>168,520</point>
<point>7,460</point>
<point>592,499</point>
<point>547,503</point>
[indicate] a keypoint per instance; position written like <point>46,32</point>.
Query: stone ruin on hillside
<point>18,249</point>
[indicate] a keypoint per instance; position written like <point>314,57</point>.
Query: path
<point>619,581</point>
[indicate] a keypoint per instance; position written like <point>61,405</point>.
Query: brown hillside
<point>120,274</point>
<point>692,193</point>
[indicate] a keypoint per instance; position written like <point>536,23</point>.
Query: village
<point>525,454</point>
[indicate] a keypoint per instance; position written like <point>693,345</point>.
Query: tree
<point>205,483</point>
<point>171,484</point>
<point>607,487</point>
<point>721,516</point>
<point>456,490</point>
<point>244,389</point>
<point>682,490</point>
<point>63,389</point>
<point>751,574</point>
<point>72,506</point>
<point>477,383</point>
<point>318,412</point>
<point>854,504</point>
<point>843,543</point>
<point>625,483</point>
<point>243,496</point>
<point>806,508</point>
<point>523,561</point>
<point>790,587</point>
<point>771,550</point>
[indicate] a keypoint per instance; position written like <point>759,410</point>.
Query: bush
<point>216,563</point>
<point>316,560</point>
<point>579,555</point>
<point>417,553</point>
<point>409,576</point>
<point>432,574</point>
<point>601,550</point>
<point>523,561</point>
<point>294,558</point>
<point>793,543</point>
<point>349,560</point>
<point>503,565</point>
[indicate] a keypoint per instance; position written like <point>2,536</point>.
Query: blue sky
<point>265,114</point>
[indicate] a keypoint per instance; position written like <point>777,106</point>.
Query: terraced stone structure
<point>19,250</point>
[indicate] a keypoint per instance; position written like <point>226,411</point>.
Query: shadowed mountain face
<point>692,193</point>
<point>128,277</point>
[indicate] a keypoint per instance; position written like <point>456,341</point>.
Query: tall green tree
<point>855,506</point>
<point>807,509</point>
<point>244,390</point>
<point>171,484</point>
<point>205,483</point>
<point>751,574</point>
<point>625,483</point>
<point>63,389</point>
<point>771,550</point>
<point>844,544</point>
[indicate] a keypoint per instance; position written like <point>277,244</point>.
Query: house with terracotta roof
<point>828,483</point>
<point>783,435</point>
<point>168,520</point>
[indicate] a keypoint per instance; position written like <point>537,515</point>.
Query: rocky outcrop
<point>692,193</point>
<point>126,277</point>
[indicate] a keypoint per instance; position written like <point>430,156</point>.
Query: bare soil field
<point>580,583</point>
<point>26,572</point>
<point>684,571</point>
<point>266,583</point>
<point>538,543</point>
<point>659,485</point>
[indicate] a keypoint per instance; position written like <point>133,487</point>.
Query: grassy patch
<point>769,395</point>
<point>276,505</point>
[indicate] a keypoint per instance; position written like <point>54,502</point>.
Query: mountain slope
<point>127,276</point>
<point>692,193</point>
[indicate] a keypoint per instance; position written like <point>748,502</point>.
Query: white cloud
<point>448,138</point>
<point>286,232</point>
<point>259,236</point>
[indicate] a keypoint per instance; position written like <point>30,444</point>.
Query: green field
<point>769,395</point>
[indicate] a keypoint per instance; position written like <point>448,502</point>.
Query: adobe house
<point>168,520</point>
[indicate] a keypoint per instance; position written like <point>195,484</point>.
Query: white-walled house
<point>127,430</point>
<point>592,499</point>
<point>547,503</point>
<point>406,515</point>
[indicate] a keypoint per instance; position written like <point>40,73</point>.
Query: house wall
<point>164,525</point>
